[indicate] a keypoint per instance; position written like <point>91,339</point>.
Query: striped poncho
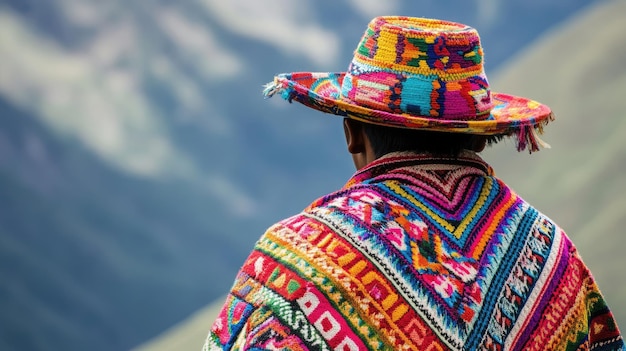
<point>416,253</point>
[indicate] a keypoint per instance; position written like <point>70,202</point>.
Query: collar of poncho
<point>394,164</point>
<point>397,161</point>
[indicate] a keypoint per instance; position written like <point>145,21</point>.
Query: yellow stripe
<point>480,202</point>
<point>386,40</point>
<point>393,186</point>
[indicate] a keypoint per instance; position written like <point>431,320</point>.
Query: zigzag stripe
<point>450,195</point>
<point>457,234</point>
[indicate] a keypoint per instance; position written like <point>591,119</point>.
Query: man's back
<point>419,253</point>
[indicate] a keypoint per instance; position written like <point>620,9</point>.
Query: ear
<point>355,136</point>
<point>479,143</point>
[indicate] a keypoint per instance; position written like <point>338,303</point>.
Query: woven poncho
<point>416,253</point>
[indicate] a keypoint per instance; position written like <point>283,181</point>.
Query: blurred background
<point>139,162</point>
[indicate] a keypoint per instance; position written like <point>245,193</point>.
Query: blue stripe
<point>497,283</point>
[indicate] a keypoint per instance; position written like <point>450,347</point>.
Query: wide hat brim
<point>509,115</point>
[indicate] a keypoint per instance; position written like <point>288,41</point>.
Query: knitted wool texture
<point>416,253</point>
<point>418,73</point>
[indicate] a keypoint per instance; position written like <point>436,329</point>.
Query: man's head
<point>367,142</point>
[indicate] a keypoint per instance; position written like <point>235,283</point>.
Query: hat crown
<point>422,45</point>
<point>419,66</point>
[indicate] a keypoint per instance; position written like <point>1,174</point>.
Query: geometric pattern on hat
<point>418,73</point>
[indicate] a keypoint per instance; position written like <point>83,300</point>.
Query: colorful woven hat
<point>418,73</point>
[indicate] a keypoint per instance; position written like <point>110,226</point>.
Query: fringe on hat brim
<point>526,135</point>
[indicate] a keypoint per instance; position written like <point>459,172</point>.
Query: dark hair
<point>389,139</point>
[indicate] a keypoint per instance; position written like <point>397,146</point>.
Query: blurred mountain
<point>189,334</point>
<point>88,253</point>
<point>138,162</point>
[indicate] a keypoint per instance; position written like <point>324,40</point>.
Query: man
<point>424,248</point>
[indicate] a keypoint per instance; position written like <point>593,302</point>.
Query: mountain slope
<point>187,335</point>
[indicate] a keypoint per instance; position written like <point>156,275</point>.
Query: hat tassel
<point>274,87</point>
<point>271,88</point>
<point>528,136</point>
